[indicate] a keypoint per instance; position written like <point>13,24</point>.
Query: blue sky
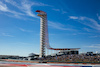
<point>71,24</point>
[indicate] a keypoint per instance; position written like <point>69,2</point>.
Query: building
<point>44,39</point>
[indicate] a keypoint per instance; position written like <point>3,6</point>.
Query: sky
<point>71,24</point>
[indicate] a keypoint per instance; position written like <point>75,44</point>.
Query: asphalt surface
<point>22,64</point>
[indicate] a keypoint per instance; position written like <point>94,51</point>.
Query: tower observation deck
<point>44,39</point>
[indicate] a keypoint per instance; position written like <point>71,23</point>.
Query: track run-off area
<point>22,64</point>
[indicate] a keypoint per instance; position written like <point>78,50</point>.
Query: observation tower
<point>44,39</point>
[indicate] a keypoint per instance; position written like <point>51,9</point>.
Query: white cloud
<point>94,46</point>
<point>95,36</point>
<point>5,34</point>
<point>90,22</point>
<point>73,17</point>
<point>27,2</point>
<point>25,6</point>
<point>87,21</point>
<point>25,30</point>
<point>98,16</point>
<point>40,4</point>
<point>87,29</point>
<point>57,25</point>
<point>78,33</point>
<point>4,8</point>
<point>60,10</point>
<point>56,9</point>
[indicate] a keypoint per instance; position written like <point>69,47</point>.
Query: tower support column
<point>42,35</point>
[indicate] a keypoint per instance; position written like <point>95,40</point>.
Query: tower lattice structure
<point>43,32</point>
